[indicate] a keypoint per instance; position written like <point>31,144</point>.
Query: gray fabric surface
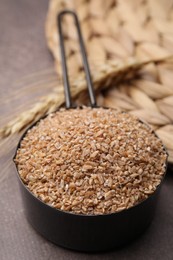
<point>23,51</point>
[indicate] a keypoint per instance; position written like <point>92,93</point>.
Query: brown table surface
<point>23,51</point>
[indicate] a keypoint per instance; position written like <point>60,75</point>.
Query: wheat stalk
<point>107,75</point>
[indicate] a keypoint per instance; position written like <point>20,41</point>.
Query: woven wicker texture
<point>130,50</point>
<point>114,31</point>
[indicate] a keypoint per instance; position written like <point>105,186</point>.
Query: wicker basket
<point>115,31</point>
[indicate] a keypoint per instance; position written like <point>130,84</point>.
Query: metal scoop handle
<point>84,58</point>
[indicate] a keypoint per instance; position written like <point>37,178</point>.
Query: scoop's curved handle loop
<point>84,58</point>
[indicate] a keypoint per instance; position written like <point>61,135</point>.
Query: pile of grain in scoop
<point>91,161</point>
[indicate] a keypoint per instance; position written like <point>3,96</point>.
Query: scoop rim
<point>89,215</point>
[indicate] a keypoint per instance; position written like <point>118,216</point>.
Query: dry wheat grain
<point>91,161</point>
